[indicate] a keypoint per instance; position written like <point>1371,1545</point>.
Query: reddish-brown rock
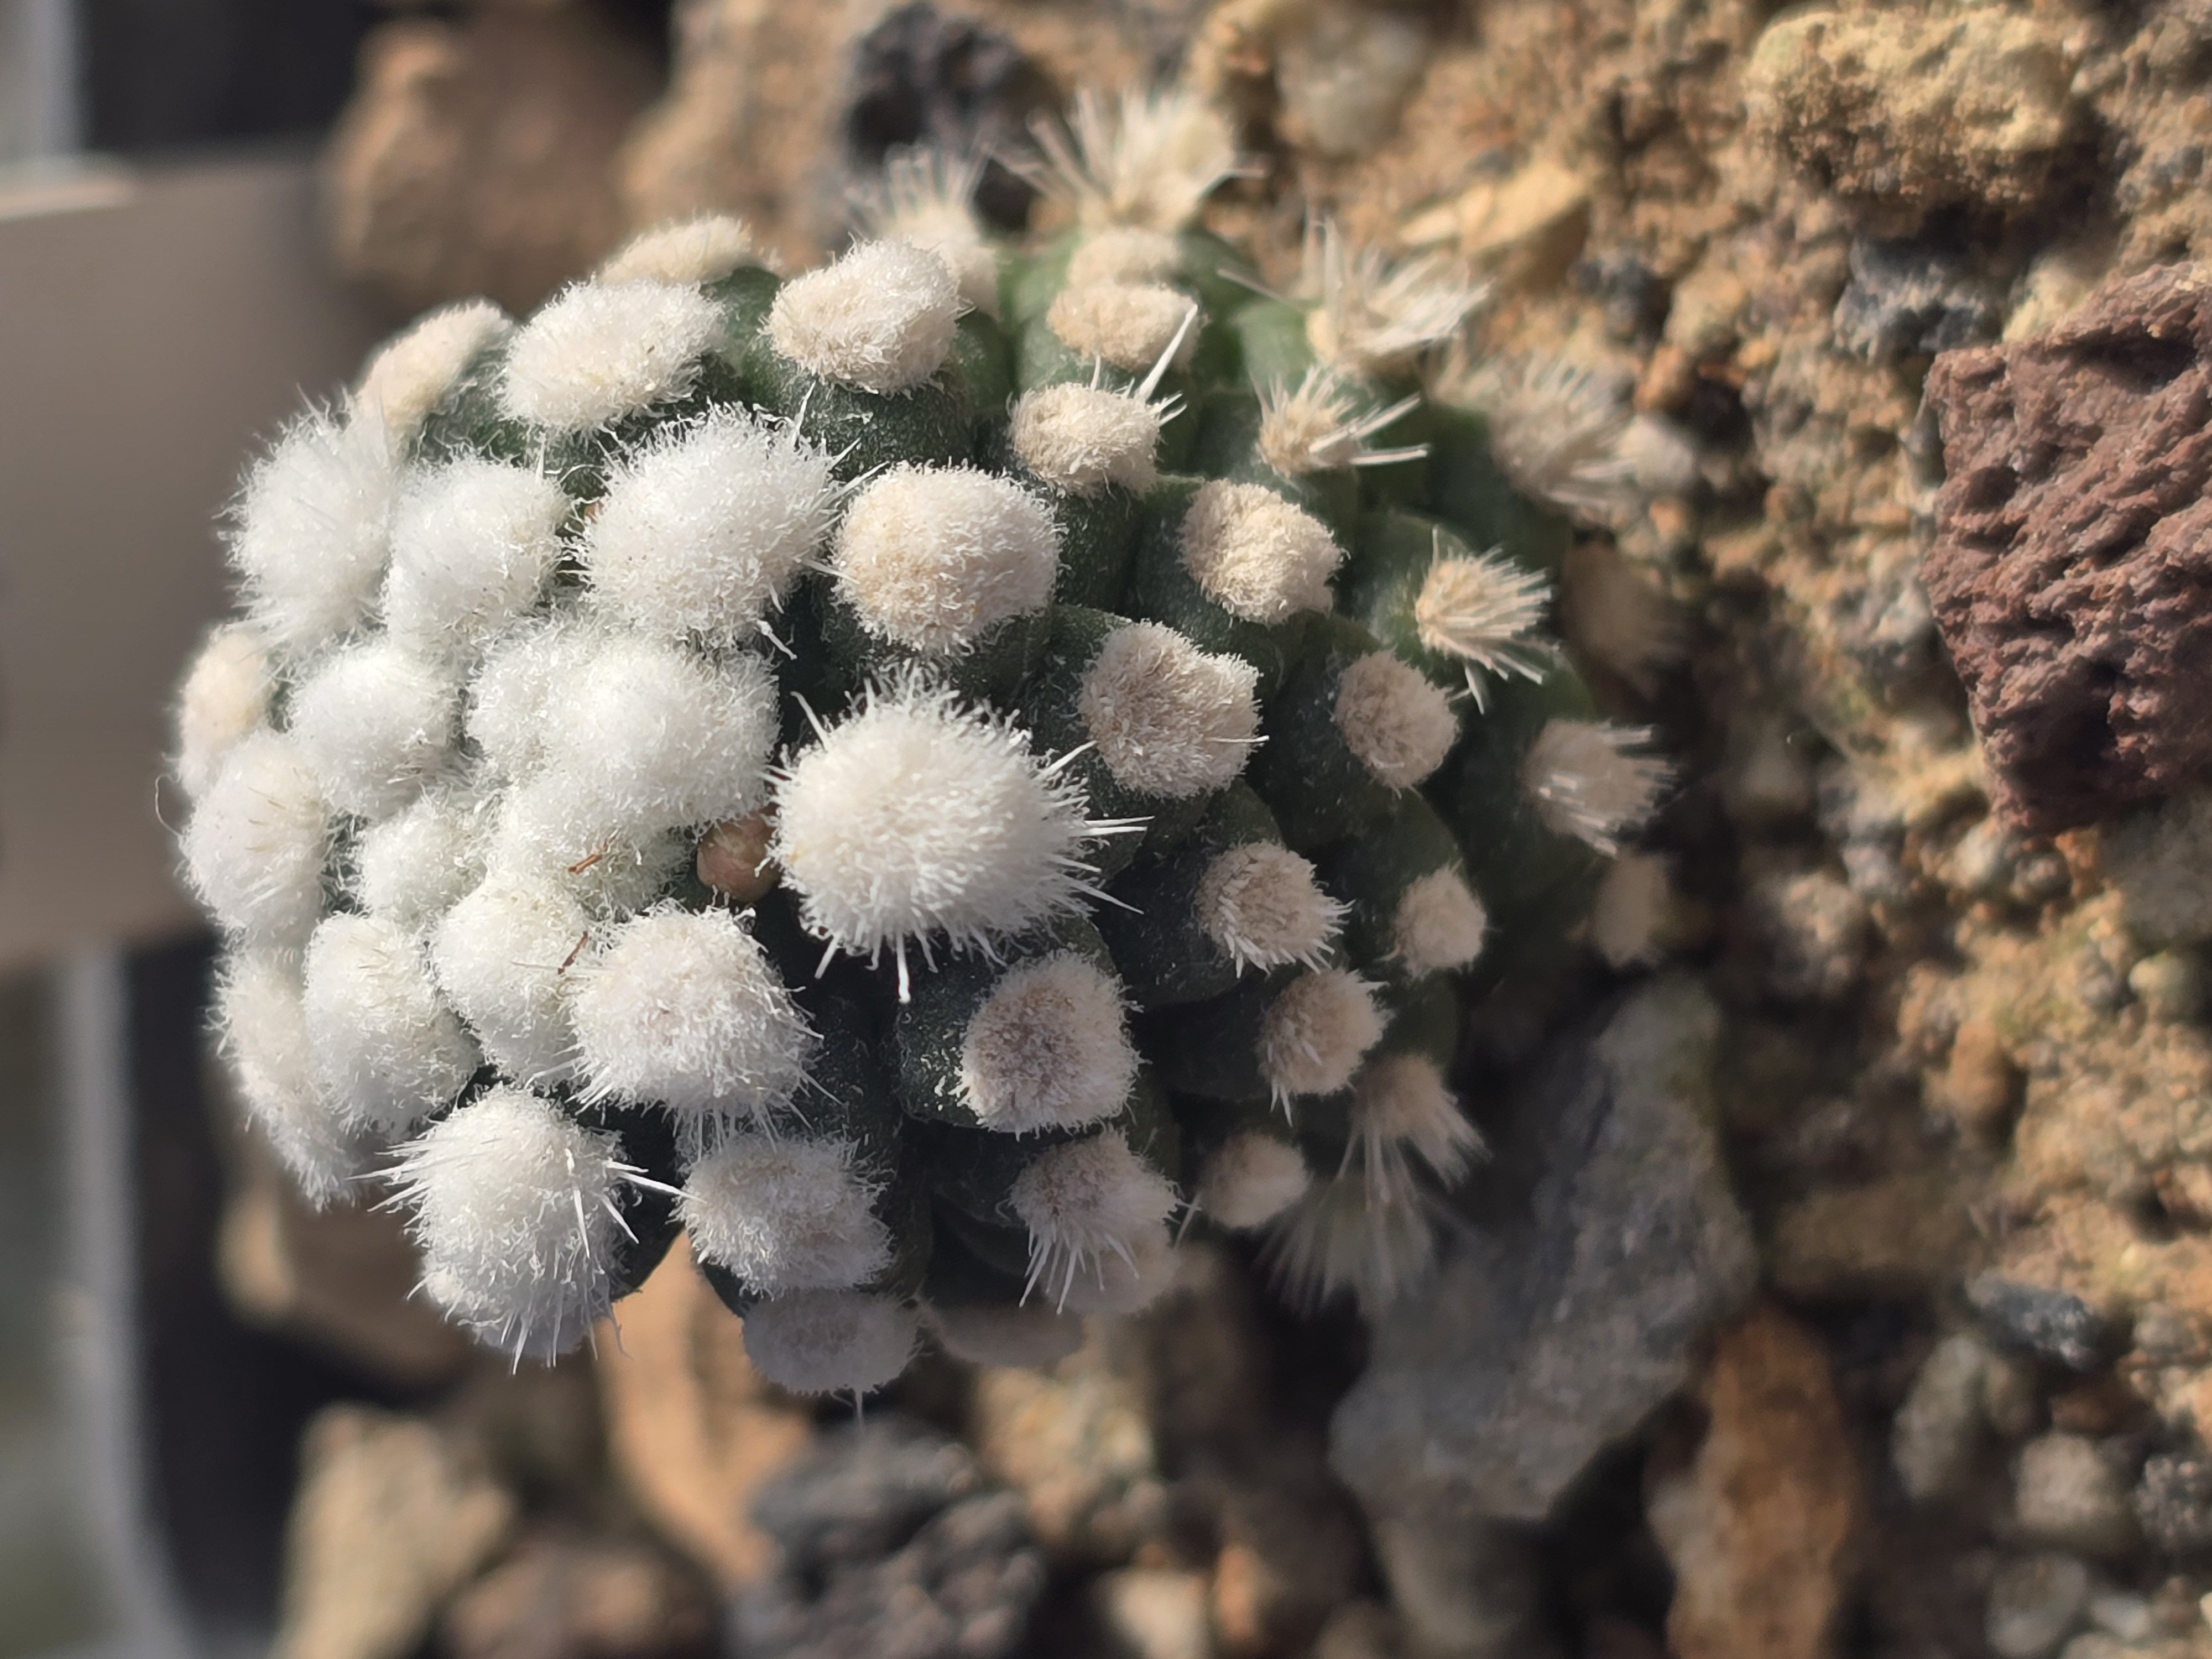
<point>2072,568</point>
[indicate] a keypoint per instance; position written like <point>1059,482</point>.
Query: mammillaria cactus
<point>929,776</point>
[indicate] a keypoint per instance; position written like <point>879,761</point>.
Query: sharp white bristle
<point>473,545</point>
<point>1629,915</point>
<point>1169,719</point>
<point>310,528</point>
<point>704,249</point>
<point>411,373</point>
<point>1250,1180</point>
<point>256,842</point>
<point>1556,430</point>
<point>1394,719</point>
<point>785,1213</point>
<point>1586,778</point>
<point>376,722</point>
<point>515,1209</point>
<point>1402,1113</point>
<point>1048,1050</point>
<point>1316,426</point>
<point>1130,326</point>
<point>933,557</point>
<point>881,318</point>
<point>1484,610</point>
<point>1342,1235</point>
<point>830,1341</point>
<point>1376,315</point>
<point>414,866</point>
<point>601,350</point>
<point>263,1028</point>
<point>1148,159</point>
<point>703,531</point>
<point>926,196</point>
<point>917,818</point>
<point>1260,903</point>
<point>1254,554</point>
<point>1316,1032</point>
<point>503,954</point>
<point>387,1051</point>
<point>1085,1203</point>
<point>682,1009</point>
<point>225,699</point>
<point>1086,440</point>
<point>1439,925</point>
<point>1032,1337</point>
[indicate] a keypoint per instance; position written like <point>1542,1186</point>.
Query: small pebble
<point>2051,1323</point>
<point>2170,984</point>
<point>2068,1495</point>
<point>1932,1441</point>
<point>2034,1604</point>
<point>2173,1503</point>
<point>2119,1614</point>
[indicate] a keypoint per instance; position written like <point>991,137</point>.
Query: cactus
<point>929,776</point>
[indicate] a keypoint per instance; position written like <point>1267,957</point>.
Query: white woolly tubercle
<point>263,1028</point>
<point>376,722</point>
<point>683,1008</point>
<point>473,543</point>
<point>1254,554</point>
<point>917,816</point>
<point>1630,913</point>
<point>538,832</point>
<point>1586,779</point>
<point>508,698</point>
<point>417,865</point>
<point>784,1214</point>
<point>1131,326</point>
<point>702,249</point>
<point>515,1210</point>
<point>1376,315</point>
<point>1484,610</point>
<point>933,557</point>
<point>1261,904</point>
<point>703,531</point>
<point>1439,925</point>
<point>386,1050</point>
<point>311,527</point>
<point>1316,426</point>
<point>1048,1050</point>
<point>503,954</point>
<point>225,699</point>
<point>1619,614</point>
<point>1029,1338</point>
<point>255,845</point>
<point>882,318</point>
<point>1125,1283</point>
<point>1086,1202</point>
<point>925,198</point>
<point>830,1341</point>
<point>1402,1112</point>
<point>1250,1179</point>
<point>1124,253</point>
<point>1316,1032</point>
<point>1169,719</point>
<point>1556,430</point>
<point>1085,439</point>
<point>1344,1236</point>
<point>1148,159</point>
<point>1394,719</point>
<point>412,372</point>
<point>602,351</point>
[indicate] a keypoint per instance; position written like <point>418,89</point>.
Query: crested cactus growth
<point>931,775</point>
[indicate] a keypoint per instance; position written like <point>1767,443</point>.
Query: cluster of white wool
<point>224,699</point>
<point>406,377</point>
<point>262,1025</point>
<point>881,317</point>
<point>1402,1113</point>
<point>1345,1236</point>
<point>933,557</point>
<point>831,1342</point>
<point>1438,925</point>
<point>1375,315</point>
<point>601,350</point>
<point>1048,1050</point>
<point>473,544</point>
<point>1394,719</point>
<point>1093,1207</point>
<point>1146,160</point>
<point>386,1050</point>
<point>1250,1180</point>
<point>1256,555</point>
<point>1170,718</point>
<point>1556,428</point>
<point>1317,426</point>
<point>256,842</point>
<point>1262,905</point>
<point>1131,326</point>
<point>924,196</point>
<point>374,723</point>
<point>785,1213</point>
<point>1589,779</point>
<point>702,249</point>
<point>1485,611</point>
<point>1316,1032</point>
<point>311,526</point>
<point>1085,439</point>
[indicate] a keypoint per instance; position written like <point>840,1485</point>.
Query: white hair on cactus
<point>1125,253</point>
<point>1048,1050</point>
<point>310,530</point>
<point>536,832</point>
<point>1556,430</point>
<point>262,1030</point>
<point>1032,1337</point>
<point>784,1214</point>
<point>704,248</point>
<point>1402,1113</point>
<point>1485,611</point>
<point>473,543</point>
<point>1586,779</point>
<point>508,698</point>
<point>1619,614</point>
<point>1169,719</point>
<point>1340,1236</point>
<point>1256,555</point>
<point>1085,1202</point>
<point>255,845</point>
<point>1376,315</point>
<point>1250,1180</point>
<point>683,1008</point>
<point>646,736</point>
<point>411,373</point>
<point>926,196</point>
<point>225,699</point>
<point>1631,911</point>
<point>387,1051</point>
<point>417,865</point>
<point>1438,925</point>
<point>1317,426</point>
<point>830,1341</point>
<point>933,557</point>
<point>1086,440</point>
<point>503,954</point>
<point>516,1210</point>
<point>598,351</point>
<point>917,816</point>
<point>1316,1032</point>
<point>376,722</point>
<point>1394,719</point>
<point>882,318</point>
<point>1125,1284</point>
<point>702,530</point>
<point>1130,326</point>
<point>1261,904</point>
<point>1149,159</point>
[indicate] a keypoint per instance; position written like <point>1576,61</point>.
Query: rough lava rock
<point>2071,573</point>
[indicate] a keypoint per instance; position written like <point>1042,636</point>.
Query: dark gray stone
<point>2050,1324</point>
<point>1907,299</point>
<point>2173,1504</point>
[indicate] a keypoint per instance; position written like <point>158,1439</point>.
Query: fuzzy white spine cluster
<point>1319,426</point>
<point>256,842</point>
<point>1263,906</point>
<point>702,249</point>
<point>1086,440</point>
<point>262,1025</point>
<point>417,865</point>
<point>1394,719</point>
<point>1316,1032</point>
<point>1131,326</point>
<point>386,1049</point>
<point>1048,1050</point>
<point>881,318</point>
<point>1257,556</point>
<point>1170,718</point>
<point>412,373</point>
<point>1146,160</point>
<point>784,1214</point>
<point>504,954</point>
<point>1485,611</point>
<point>225,700</point>
<point>935,558</point>
<point>375,722</point>
<point>310,528</point>
<point>925,197</point>
<point>473,545</point>
<point>1439,925</point>
<point>1556,428</point>
<point>1250,1180</point>
<point>1375,315</point>
<point>1343,1236</point>
<point>602,351</point>
<point>1402,1114</point>
<point>831,1342</point>
<point>1593,780</point>
<point>1088,1203</point>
